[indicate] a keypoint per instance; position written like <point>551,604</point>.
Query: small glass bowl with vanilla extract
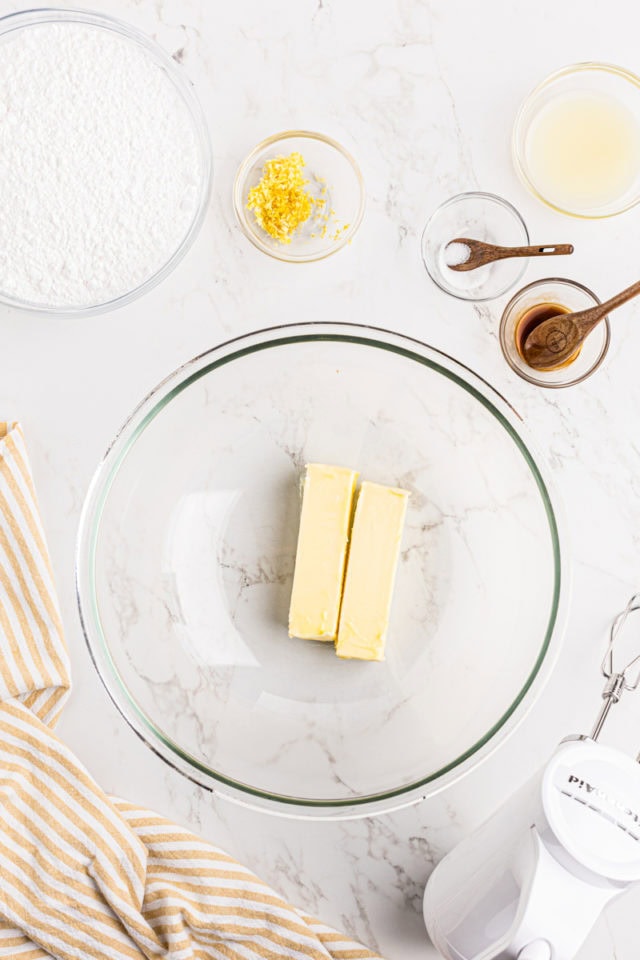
<point>531,306</point>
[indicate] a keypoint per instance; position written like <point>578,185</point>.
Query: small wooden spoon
<point>481,253</point>
<point>556,339</point>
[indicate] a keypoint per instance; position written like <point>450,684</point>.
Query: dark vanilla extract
<point>531,319</point>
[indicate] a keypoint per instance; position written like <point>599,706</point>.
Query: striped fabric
<point>83,875</point>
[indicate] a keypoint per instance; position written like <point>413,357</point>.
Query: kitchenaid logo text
<point>597,793</point>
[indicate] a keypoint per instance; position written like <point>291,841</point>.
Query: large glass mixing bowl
<point>186,553</point>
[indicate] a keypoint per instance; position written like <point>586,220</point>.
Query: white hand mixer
<point>532,881</point>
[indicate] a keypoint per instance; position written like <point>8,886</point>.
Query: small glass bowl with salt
<point>478,216</point>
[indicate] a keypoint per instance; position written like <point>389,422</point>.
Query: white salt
<point>100,168</point>
<point>456,253</point>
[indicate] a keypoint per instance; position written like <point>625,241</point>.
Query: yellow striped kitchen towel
<point>83,875</point>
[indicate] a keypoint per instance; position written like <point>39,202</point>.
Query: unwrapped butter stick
<point>322,551</point>
<point>371,571</point>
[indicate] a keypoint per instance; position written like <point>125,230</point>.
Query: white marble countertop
<point>424,94</point>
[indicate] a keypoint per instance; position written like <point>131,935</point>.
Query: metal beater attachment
<point>617,680</point>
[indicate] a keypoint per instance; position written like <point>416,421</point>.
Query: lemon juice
<point>583,152</point>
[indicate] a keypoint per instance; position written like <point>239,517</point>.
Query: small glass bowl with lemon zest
<point>299,196</point>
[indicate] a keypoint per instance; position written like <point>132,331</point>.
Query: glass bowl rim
<point>22,19</point>
<point>519,164</point>
<point>531,378</point>
<point>176,757</point>
<point>238,198</point>
<point>483,195</point>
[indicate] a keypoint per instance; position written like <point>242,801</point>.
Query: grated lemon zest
<point>280,201</point>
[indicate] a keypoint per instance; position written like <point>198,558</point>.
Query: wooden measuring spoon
<point>556,339</point>
<point>481,253</point>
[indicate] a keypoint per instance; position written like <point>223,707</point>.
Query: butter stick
<point>371,570</point>
<point>322,551</point>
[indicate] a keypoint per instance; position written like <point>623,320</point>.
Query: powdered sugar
<point>100,166</point>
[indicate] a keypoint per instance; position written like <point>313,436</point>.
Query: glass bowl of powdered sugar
<point>105,162</point>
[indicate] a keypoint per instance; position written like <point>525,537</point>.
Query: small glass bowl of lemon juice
<point>576,140</point>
